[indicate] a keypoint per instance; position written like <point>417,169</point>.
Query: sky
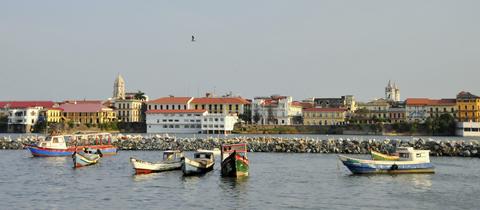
<point>57,50</point>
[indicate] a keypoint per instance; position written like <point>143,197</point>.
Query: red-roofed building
<point>222,105</point>
<point>189,121</point>
<point>23,115</point>
<point>419,109</point>
<point>324,116</point>
<point>170,103</point>
<point>88,113</point>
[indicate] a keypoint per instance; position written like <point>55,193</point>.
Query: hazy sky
<point>62,49</point>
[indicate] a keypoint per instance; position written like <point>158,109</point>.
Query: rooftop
<point>176,111</point>
<point>325,110</point>
<point>429,102</point>
<point>220,100</point>
<point>26,104</point>
<point>171,100</point>
<point>82,107</point>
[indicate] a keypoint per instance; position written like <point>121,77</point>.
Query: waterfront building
<point>189,121</point>
<point>53,114</point>
<point>468,106</point>
<point>221,105</point>
<point>467,129</point>
<point>23,115</point>
<point>392,92</point>
<point>170,103</point>
<point>373,110</point>
<point>345,102</point>
<point>119,88</point>
<point>419,109</point>
<point>129,110</point>
<point>87,112</point>
<point>276,110</point>
<point>324,116</point>
<point>396,114</point>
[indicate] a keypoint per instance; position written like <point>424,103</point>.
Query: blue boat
<point>54,146</point>
<point>410,161</point>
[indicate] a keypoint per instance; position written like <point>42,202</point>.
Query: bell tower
<point>119,88</point>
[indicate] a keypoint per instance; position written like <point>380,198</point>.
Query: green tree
<point>140,96</point>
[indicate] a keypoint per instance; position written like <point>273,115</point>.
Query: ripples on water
<point>277,181</point>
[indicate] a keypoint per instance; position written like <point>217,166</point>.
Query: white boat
<point>172,160</point>
<point>410,161</point>
<point>201,163</point>
<point>215,151</point>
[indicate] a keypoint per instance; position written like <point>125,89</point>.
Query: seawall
<point>276,144</point>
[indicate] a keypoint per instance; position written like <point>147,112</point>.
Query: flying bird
<point>193,38</point>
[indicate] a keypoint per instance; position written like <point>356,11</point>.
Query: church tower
<point>119,88</point>
<point>392,92</point>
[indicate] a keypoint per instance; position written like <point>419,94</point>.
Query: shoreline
<point>282,145</point>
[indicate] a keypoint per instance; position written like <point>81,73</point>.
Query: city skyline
<point>56,50</point>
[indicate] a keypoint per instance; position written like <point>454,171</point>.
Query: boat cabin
<point>172,155</point>
<point>53,142</point>
<point>410,154</point>
<point>63,141</point>
<point>227,149</point>
<point>203,155</point>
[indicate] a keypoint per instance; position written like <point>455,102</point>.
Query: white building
<point>188,121</point>
<point>23,115</point>
<point>276,110</point>
<point>467,129</point>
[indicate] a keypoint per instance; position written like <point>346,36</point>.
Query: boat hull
<point>82,160</point>
<point>46,152</point>
<point>145,167</point>
<point>192,167</point>
<point>357,166</point>
<point>235,165</point>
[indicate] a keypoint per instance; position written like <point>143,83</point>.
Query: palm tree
<point>140,96</point>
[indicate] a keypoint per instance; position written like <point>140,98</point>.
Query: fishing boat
<point>86,158</point>
<point>201,163</point>
<point>66,145</point>
<point>380,156</point>
<point>234,160</point>
<point>410,161</point>
<point>172,160</point>
<point>215,151</point>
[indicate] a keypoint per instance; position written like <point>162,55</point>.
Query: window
<point>181,115</point>
<point>177,126</point>
<point>196,106</point>
<point>164,120</point>
<point>166,107</point>
<point>161,106</point>
<point>155,106</point>
<point>179,107</point>
<point>184,106</point>
<point>176,120</point>
<point>165,126</point>
<point>158,121</point>
<point>216,119</point>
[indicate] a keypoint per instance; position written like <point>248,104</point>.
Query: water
<point>277,181</point>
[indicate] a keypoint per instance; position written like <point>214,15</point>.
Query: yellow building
<point>88,113</point>
<point>129,110</point>
<point>221,105</point>
<point>324,116</point>
<point>54,115</point>
<point>468,107</point>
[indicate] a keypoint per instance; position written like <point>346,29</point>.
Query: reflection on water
<point>418,181</point>
<point>303,181</point>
